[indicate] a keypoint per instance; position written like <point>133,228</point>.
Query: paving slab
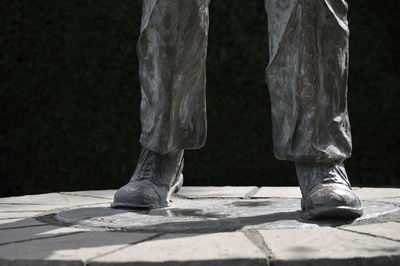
<point>39,207</point>
<point>202,226</point>
<point>105,194</point>
<point>329,246</point>
<point>386,230</point>
<point>278,192</point>
<point>20,222</point>
<point>35,232</point>
<point>51,199</point>
<point>183,249</point>
<point>391,200</point>
<point>369,193</point>
<point>215,192</point>
<point>17,214</point>
<point>68,249</point>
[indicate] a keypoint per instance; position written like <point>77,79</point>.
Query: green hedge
<point>69,96</point>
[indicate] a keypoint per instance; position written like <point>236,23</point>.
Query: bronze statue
<point>307,80</point>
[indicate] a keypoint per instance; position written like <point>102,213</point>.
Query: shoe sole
<point>136,206</point>
<point>342,213</point>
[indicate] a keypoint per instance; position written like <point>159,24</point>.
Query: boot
<point>156,177</point>
<point>326,191</point>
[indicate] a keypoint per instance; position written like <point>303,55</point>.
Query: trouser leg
<point>307,79</point>
<point>172,51</point>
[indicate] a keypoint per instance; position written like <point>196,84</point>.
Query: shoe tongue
<point>159,169</point>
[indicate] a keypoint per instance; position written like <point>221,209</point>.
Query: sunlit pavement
<point>203,225</point>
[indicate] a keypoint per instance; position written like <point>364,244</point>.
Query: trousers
<point>306,76</point>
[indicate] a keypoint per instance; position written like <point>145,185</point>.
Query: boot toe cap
<point>332,201</point>
<point>138,195</point>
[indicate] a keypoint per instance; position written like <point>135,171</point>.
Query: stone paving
<point>203,226</point>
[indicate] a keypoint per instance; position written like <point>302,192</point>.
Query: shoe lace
<point>147,169</point>
<point>336,175</point>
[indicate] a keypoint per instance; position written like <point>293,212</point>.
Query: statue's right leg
<point>172,51</point>
<point>307,80</point>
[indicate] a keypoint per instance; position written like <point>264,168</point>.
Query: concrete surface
<point>203,226</point>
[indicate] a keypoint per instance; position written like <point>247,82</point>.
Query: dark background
<point>69,96</point>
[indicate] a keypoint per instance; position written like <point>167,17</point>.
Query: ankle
<point>311,174</point>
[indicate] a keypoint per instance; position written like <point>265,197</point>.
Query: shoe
<point>155,179</point>
<point>327,192</point>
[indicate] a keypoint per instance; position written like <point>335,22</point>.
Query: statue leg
<point>307,80</point>
<point>172,52</point>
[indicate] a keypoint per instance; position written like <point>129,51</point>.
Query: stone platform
<point>203,225</point>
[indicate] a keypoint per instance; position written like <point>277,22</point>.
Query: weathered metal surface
<point>307,80</point>
<point>306,76</point>
<point>172,51</point>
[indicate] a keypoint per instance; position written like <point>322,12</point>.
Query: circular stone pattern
<point>197,215</point>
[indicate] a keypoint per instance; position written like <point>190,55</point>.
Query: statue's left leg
<point>172,51</point>
<point>307,80</point>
